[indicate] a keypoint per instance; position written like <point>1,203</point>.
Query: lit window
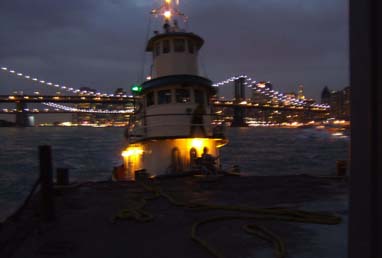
<point>179,45</point>
<point>164,97</point>
<point>199,97</point>
<point>150,99</point>
<point>191,46</point>
<point>157,49</point>
<point>166,46</point>
<point>182,96</point>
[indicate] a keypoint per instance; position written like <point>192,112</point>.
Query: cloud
<point>100,43</point>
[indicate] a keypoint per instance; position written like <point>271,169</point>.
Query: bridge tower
<point>239,112</point>
<point>22,117</point>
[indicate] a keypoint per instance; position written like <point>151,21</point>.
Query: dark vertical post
<point>62,176</point>
<point>365,226</point>
<point>46,178</point>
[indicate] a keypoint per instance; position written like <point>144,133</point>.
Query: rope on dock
<point>252,229</point>
<point>138,213</point>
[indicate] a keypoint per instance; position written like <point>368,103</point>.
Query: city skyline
<point>97,45</point>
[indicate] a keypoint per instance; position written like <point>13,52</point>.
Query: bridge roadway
<point>126,100</point>
<point>269,106</point>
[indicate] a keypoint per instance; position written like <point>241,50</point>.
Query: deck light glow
<point>132,151</point>
<point>197,143</point>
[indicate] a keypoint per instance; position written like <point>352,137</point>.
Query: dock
<point>194,216</point>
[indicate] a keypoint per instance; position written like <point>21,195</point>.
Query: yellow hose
<point>259,231</point>
<point>138,213</point>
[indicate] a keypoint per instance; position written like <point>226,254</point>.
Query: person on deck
<point>208,162</point>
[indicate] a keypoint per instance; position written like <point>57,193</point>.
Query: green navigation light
<point>136,89</point>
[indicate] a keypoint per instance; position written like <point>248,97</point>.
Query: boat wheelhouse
<point>173,123</point>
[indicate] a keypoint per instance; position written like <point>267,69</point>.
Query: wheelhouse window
<point>150,99</point>
<point>191,46</point>
<point>182,96</point>
<point>164,97</point>
<point>166,46</point>
<point>157,49</point>
<point>179,45</point>
<point>199,97</point>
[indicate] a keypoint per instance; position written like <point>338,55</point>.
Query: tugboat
<point>172,127</point>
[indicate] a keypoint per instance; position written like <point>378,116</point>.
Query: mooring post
<point>46,178</point>
<point>341,167</point>
<point>62,176</point>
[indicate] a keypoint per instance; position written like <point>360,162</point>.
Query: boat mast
<point>169,11</point>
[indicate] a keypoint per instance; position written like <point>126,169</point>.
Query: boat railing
<point>176,125</point>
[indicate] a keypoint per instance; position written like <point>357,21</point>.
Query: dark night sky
<point>99,43</point>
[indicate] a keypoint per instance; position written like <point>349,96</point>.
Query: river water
<point>91,153</point>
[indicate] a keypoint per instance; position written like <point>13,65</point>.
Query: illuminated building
<point>339,102</point>
<point>85,118</point>
<point>99,118</point>
<point>300,94</point>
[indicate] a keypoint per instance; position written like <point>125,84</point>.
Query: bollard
<point>141,175</point>
<point>62,176</point>
<point>46,179</point>
<point>341,167</point>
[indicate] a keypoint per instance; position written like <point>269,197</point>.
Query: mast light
<point>167,14</point>
<point>168,10</point>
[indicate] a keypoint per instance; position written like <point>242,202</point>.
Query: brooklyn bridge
<point>265,103</point>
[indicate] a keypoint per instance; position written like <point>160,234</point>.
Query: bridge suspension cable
<point>251,83</point>
<point>95,111</point>
<point>57,85</point>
